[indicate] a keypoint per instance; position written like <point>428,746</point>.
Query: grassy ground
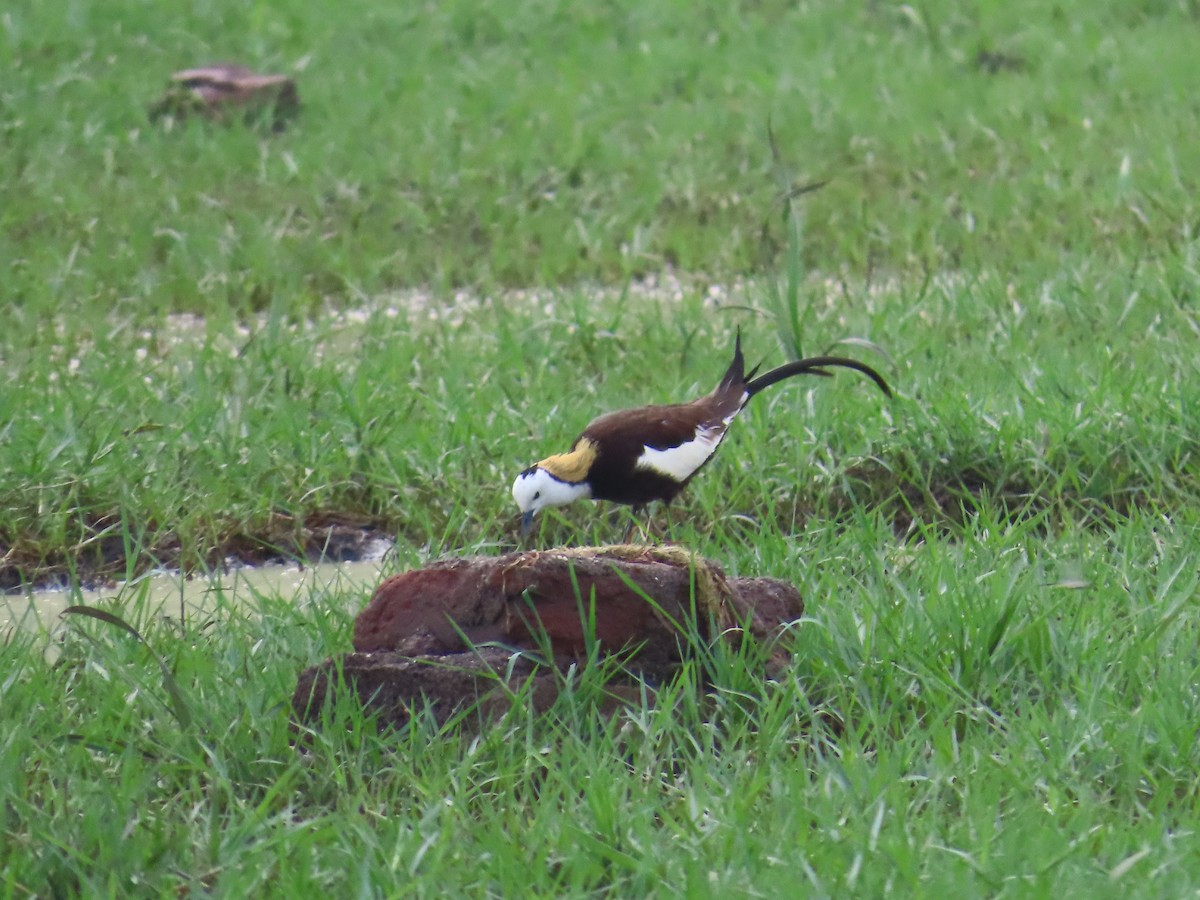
<point>218,339</point>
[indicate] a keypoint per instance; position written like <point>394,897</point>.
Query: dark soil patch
<point>102,557</point>
<point>909,492</point>
<point>949,496</point>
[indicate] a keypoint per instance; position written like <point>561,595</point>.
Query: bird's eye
<point>537,495</point>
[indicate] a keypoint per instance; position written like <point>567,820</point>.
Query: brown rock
<point>477,686</point>
<point>414,640</point>
<point>428,606</point>
<point>218,91</point>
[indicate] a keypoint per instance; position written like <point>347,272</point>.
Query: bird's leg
<point>647,529</point>
<point>666,519</point>
<point>633,523</point>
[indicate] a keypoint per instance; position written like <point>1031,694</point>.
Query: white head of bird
<point>535,489</point>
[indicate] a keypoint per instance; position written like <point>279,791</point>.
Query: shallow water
<point>172,595</point>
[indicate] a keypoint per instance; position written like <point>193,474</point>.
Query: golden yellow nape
<point>574,465</point>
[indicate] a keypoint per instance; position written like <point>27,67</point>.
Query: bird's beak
<point>527,523</point>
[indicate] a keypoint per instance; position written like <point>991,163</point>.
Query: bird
<point>637,456</point>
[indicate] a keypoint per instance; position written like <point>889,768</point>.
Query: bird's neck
<point>573,466</point>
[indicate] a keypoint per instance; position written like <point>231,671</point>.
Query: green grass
<point>218,339</point>
<point>545,143</point>
<point>958,719</point>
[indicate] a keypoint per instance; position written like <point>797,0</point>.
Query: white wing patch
<point>682,461</point>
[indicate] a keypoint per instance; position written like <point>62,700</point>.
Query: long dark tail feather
<point>814,365</point>
<point>736,373</point>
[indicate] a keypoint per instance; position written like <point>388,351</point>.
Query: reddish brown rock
<point>220,91</point>
<point>420,612</point>
<point>464,631</point>
<point>482,685</point>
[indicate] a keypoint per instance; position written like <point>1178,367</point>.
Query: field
<point>489,223</point>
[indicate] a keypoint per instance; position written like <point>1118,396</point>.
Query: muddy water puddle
<point>172,595</point>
